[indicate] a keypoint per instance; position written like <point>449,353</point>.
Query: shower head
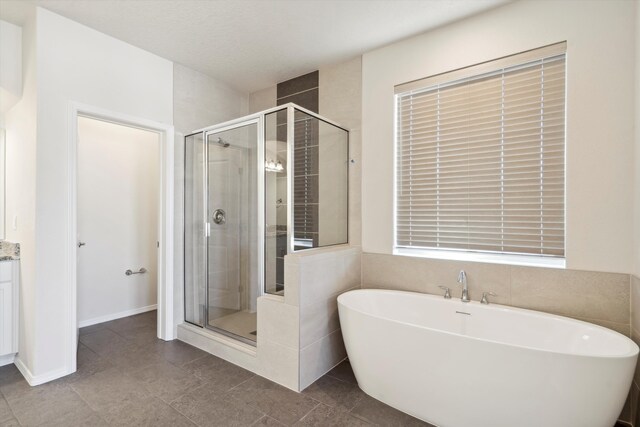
<point>222,142</point>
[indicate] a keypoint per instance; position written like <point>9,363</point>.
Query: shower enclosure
<point>257,188</point>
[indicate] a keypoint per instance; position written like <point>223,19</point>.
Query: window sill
<point>524,260</point>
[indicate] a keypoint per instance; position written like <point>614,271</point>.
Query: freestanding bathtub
<point>457,364</point>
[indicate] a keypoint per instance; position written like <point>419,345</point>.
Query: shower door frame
<point>258,120</point>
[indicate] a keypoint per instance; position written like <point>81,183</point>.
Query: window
<point>481,157</point>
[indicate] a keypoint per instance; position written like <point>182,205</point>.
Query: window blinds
<point>480,157</point>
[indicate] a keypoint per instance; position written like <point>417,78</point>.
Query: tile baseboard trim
<point>115,316</point>
<point>34,380</point>
<point>7,359</point>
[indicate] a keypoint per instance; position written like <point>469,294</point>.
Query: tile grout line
<point>341,380</point>
<point>178,411</point>
<point>312,409</point>
<point>296,93</point>
<point>239,384</point>
<point>13,415</point>
<point>259,410</point>
<point>218,396</point>
<point>259,419</point>
<point>95,411</point>
<point>190,361</point>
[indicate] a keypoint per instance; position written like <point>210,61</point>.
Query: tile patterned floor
<point>127,377</point>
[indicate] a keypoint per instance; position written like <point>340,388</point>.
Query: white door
<point>118,206</point>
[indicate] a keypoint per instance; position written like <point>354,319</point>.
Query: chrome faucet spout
<point>462,279</point>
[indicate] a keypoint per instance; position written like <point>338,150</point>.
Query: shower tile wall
<point>302,90</point>
<point>340,99</point>
<point>314,281</point>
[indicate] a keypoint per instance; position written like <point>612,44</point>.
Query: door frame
<point>166,325</point>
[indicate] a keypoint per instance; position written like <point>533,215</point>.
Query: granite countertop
<point>9,251</point>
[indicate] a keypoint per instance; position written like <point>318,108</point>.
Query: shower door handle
<point>219,216</point>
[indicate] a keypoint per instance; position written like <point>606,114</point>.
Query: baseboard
<point>34,380</point>
<point>7,359</point>
<point>115,316</point>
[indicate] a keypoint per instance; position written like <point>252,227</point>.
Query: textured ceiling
<point>253,44</point>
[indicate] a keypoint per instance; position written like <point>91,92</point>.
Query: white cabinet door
<point>6,318</point>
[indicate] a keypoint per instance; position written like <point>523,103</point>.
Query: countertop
<point>9,251</point>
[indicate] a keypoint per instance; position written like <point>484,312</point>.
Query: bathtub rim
<point>635,349</point>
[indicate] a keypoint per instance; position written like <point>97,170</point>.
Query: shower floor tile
<point>242,323</point>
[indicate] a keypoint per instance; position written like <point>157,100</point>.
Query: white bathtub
<point>457,364</point>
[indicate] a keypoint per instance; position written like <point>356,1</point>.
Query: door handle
<point>81,244</point>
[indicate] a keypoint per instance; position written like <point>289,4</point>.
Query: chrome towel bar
<point>141,271</point>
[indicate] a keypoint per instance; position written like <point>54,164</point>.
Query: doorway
<point>118,210</point>
<point>167,314</point>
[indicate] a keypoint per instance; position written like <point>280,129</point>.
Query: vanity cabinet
<point>8,310</point>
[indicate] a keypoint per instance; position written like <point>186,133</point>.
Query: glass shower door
<point>232,273</point>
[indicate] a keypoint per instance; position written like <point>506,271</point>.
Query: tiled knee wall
<point>601,298</point>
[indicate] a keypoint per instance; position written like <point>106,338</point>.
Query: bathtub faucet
<point>462,279</point>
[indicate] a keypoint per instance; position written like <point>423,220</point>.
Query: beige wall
<point>636,185</point>
<point>634,413</point>
<point>340,99</point>
<point>262,99</point>
<point>599,117</point>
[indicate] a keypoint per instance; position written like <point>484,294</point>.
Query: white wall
<point>10,65</point>
<point>118,202</point>
<point>74,63</point>
<point>199,101</point>
<point>599,116</point>
<point>20,122</point>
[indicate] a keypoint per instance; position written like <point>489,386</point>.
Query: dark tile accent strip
<point>297,84</point>
<point>307,99</point>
